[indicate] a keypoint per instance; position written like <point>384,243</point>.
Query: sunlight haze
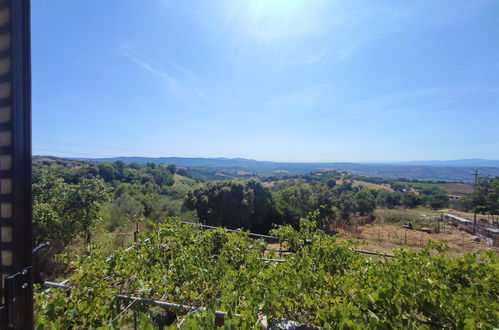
<point>268,80</point>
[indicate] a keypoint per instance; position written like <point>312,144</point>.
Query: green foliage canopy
<point>233,204</point>
<point>324,283</point>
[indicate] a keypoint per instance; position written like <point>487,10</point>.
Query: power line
<point>98,147</point>
<point>70,152</point>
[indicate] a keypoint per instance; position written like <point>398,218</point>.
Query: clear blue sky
<point>282,80</point>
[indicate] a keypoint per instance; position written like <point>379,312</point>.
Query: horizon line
<point>272,161</point>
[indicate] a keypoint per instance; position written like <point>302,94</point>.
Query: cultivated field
<point>460,188</point>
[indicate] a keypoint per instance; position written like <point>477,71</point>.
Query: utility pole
<point>475,173</point>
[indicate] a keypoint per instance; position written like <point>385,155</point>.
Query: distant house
<point>454,197</point>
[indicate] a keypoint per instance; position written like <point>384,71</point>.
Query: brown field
<point>243,173</point>
<point>179,179</point>
<point>273,183</point>
<point>386,232</point>
<point>461,188</point>
<point>386,237</point>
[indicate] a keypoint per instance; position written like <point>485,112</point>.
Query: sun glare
<point>273,19</point>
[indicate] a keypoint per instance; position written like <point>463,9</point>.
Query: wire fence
<point>176,308</point>
<point>275,239</point>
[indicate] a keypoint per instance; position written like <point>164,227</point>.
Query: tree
<point>301,197</point>
<point>107,172</point>
<point>158,207</point>
<point>398,187</point>
<point>84,203</point>
<point>347,205</point>
<point>125,209</point>
<point>130,174</point>
<point>388,199</point>
<point>410,199</point>
<point>162,176</point>
<point>134,166</point>
<point>325,215</point>
<point>438,201</point>
<point>61,210</point>
<point>120,167</point>
<point>50,198</point>
<point>285,212</point>
<point>485,197</point>
<point>365,202</point>
<point>331,183</point>
<point>345,186</point>
<point>233,204</point>
<point>182,172</point>
<point>172,168</point>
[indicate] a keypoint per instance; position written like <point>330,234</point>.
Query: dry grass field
<point>179,179</point>
<point>357,183</point>
<point>484,219</point>
<point>386,232</point>
<point>386,237</point>
<point>275,183</point>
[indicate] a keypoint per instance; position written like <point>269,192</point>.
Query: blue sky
<point>282,80</point>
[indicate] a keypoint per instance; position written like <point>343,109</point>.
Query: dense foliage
<point>323,283</point>
<point>73,170</point>
<point>233,204</point>
<point>63,210</point>
<point>78,202</point>
<point>486,195</point>
<point>250,205</point>
<point>74,198</point>
<point>150,191</point>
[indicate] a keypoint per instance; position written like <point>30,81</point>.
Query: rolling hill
<point>430,170</point>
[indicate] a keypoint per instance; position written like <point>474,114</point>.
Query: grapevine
<point>323,283</point>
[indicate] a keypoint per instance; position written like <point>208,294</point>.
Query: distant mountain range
<point>452,163</point>
<point>451,170</point>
